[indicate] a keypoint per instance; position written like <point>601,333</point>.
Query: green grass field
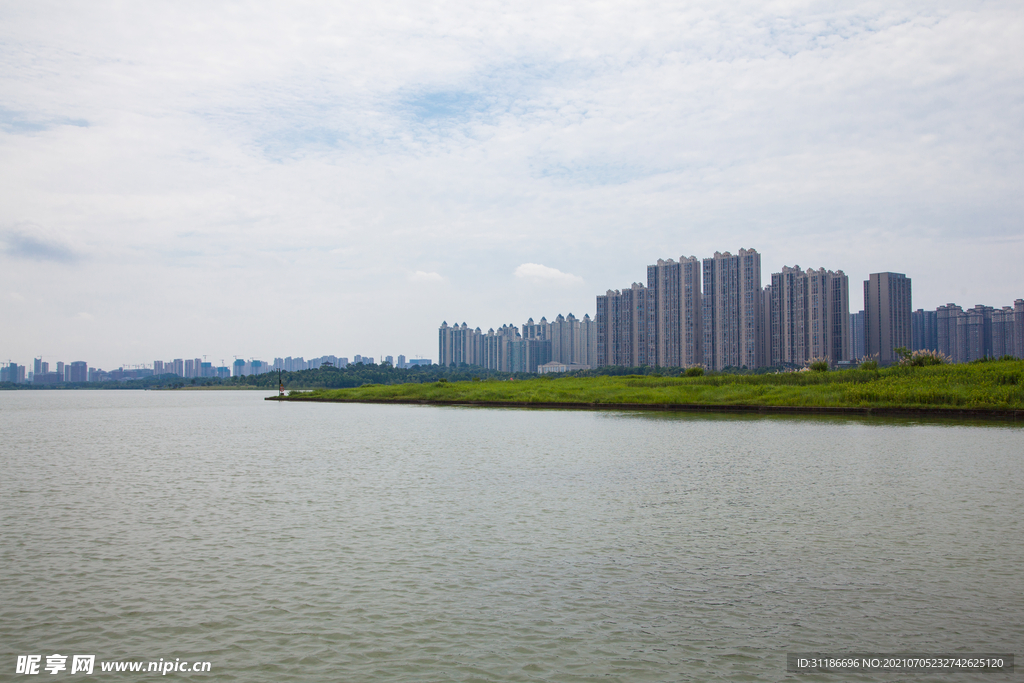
<point>990,385</point>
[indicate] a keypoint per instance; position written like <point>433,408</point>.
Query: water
<point>407,543</point>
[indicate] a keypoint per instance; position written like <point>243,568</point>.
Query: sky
<point>191,179</point>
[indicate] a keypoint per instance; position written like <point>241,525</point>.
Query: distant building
<point>731,310</point>
<point>401,362</point>
<point>980,332</point>
<point>238,368</point>
<point>79,372</point>
<point>390,360</point>
<point>1003,342</point>
<point>676,321</point>
<point>13,373</point>
<point>887,323</point>
<point>925,328</point>
<point>419,361</point>
<point>533,330</point>
<point>526,355</point>
<point>1018,328</point>
<point>572,341</point>
<point>857,348</point>
<point>624,321</point>
<point>809,317</point>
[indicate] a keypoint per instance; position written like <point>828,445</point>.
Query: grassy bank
<point>994,385</point>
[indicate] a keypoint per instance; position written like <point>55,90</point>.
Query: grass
<point>990,385</point>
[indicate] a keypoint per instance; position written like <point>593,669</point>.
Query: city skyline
<point>686,269</point>
<point>204,179</point>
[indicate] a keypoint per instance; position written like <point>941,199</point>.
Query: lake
<point>300,542</point>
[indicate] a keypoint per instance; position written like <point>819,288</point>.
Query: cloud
<point>18,123</point>
<point>330,146</point>
<point>22,245</point>
<point>535,272</point>
<point>421,276</point>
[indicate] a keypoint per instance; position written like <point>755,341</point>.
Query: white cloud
<point>421,276</point>
<point>535,272</point>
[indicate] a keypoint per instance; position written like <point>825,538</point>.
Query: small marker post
<point>280,383</point>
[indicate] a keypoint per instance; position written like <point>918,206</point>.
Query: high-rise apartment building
<point>731,310</point>
<point>857,347</point>
<point>458,344</point>
<point>79,371</point>
<point>788,315</point>
<point>526,354</point>
<point>809,317</point>
<point>945,331</point>
<point>14,373</point>
<point>572,340</point>
<point>624,319</point>
<point>1003,343</point>
<point>494,347</point>
<point>675,320</point>
<point>830,315</point>
<point>887,307</point>
<point>980,332</point>
<point>1018,328</point>
<point>585,352</point>
<point>925,327</point>
<point>532,330</point>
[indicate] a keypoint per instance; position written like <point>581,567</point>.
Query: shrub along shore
<point>993,388</point>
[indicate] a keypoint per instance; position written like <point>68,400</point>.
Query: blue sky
<point>312,178</point>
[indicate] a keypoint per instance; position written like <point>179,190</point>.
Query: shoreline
<point>877,411</point>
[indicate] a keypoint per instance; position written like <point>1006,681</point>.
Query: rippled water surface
<point>403,543</point>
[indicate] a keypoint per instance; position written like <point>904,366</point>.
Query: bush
<point>922,358</point>
<point>818,365</point>
<point>695,371</point>
<point>869,364</point>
